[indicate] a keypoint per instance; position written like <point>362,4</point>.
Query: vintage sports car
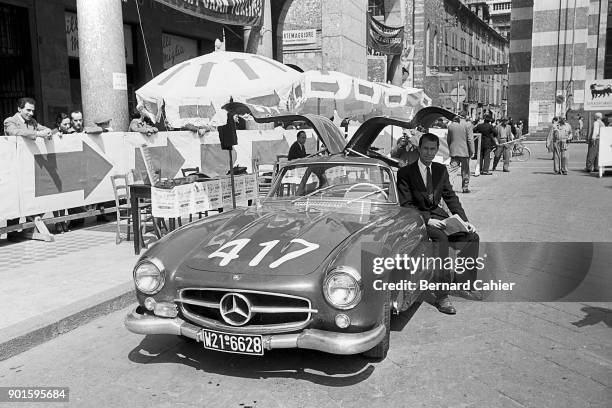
<point>294,271</point>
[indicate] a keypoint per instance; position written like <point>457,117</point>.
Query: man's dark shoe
<point>506,171</point>
<point>473,294</point>
<point>444,305</point>
<point>486,173</point>
<point>466,190</point>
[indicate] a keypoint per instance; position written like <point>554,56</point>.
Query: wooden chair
<point>124,209</point>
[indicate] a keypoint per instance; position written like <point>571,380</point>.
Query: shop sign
<point>177,49</point>
<point>299,37</point>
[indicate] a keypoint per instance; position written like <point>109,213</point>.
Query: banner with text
<point>384,39</point>
<point>235,12</point>
<point>598,95</point>
<point>445,70</point>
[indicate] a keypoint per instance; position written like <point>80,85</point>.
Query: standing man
<point>592,161</point>
<point>580,127</point>
<point>298,149</point>
<point>23,123</point>
<point>561,135</point>
<point>76,120</point>
<point>504,135</point>
<point>461,146</point>
<point>423,184</point>
<point>487,143</point>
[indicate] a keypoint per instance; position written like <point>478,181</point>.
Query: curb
<point>30,333</point>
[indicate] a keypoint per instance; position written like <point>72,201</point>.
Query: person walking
<point>504,135</point>
<point>592,159</point>
<point>487,144</point>
<point>561,135</point>
<point>461,147</point>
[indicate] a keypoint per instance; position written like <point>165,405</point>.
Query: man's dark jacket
<point>413,192</point>
<point>297,151</point>
<point>487,132</point>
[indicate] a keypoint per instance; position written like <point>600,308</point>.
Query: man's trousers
<point>592,161</point>
<point>468,245</point>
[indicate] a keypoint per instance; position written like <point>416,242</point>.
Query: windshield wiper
<point>365,196</point>
<point>318,190</point>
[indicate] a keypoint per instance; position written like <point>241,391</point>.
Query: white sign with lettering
<point>298,37</point>
<point>178,49</point>
<point>72,38</point>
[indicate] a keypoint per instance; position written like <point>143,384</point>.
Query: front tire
<point>524,155</point>
<point>379,352</point>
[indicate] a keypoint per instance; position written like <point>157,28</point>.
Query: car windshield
<point>341,182</point>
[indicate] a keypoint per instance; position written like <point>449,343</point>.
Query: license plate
<point>232,343</point>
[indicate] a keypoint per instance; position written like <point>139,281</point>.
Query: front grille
<point>270,312</point>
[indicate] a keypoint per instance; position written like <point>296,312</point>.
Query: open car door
<point>367,133</point>
<point>329,134</point>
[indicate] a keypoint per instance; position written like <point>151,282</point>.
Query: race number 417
<point>230,251</point>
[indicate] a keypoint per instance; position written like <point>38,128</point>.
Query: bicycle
<point>519,151</point>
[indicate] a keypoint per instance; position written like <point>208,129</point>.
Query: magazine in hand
<point>455,224</point>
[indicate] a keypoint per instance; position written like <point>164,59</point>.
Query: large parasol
<point>194,91</point>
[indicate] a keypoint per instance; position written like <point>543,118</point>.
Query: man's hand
<point>470,227</point>
<point>46,133</point>
<point>439,224</point>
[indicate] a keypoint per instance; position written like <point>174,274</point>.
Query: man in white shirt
<point>592,160</point>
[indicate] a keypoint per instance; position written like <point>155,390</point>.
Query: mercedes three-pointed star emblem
<point>235,309</point>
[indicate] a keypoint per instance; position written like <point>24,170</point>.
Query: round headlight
<point>342,288</point>
<point>149,276</point>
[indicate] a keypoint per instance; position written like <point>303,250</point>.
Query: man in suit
<point>461,146</point>
<point>297,150</point>
<point>487,143</point>
<point>23,123</point>
<point>423,184</point>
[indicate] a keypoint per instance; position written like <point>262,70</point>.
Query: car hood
<point>278,241</point>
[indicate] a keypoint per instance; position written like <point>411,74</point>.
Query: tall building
<point>553,51</point>
<point>436,34</point>
<point>500,12</point>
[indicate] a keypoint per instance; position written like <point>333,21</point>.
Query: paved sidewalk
<point>52,287</point>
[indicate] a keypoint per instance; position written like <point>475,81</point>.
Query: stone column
<point>258,40</point>
<point>344,36</point>
<point>102,62</point>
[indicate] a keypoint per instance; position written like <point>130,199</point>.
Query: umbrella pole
<point>232,179</point>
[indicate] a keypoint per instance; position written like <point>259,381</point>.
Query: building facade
<point>39,53</point>
<point>555,47</point>
<point>437,33</point>
<point>500,12</point>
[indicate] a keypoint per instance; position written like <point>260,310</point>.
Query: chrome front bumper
<point>327,341</point>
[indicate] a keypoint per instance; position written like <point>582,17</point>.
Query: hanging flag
<point>385,39</point>
<point>235,12</point>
